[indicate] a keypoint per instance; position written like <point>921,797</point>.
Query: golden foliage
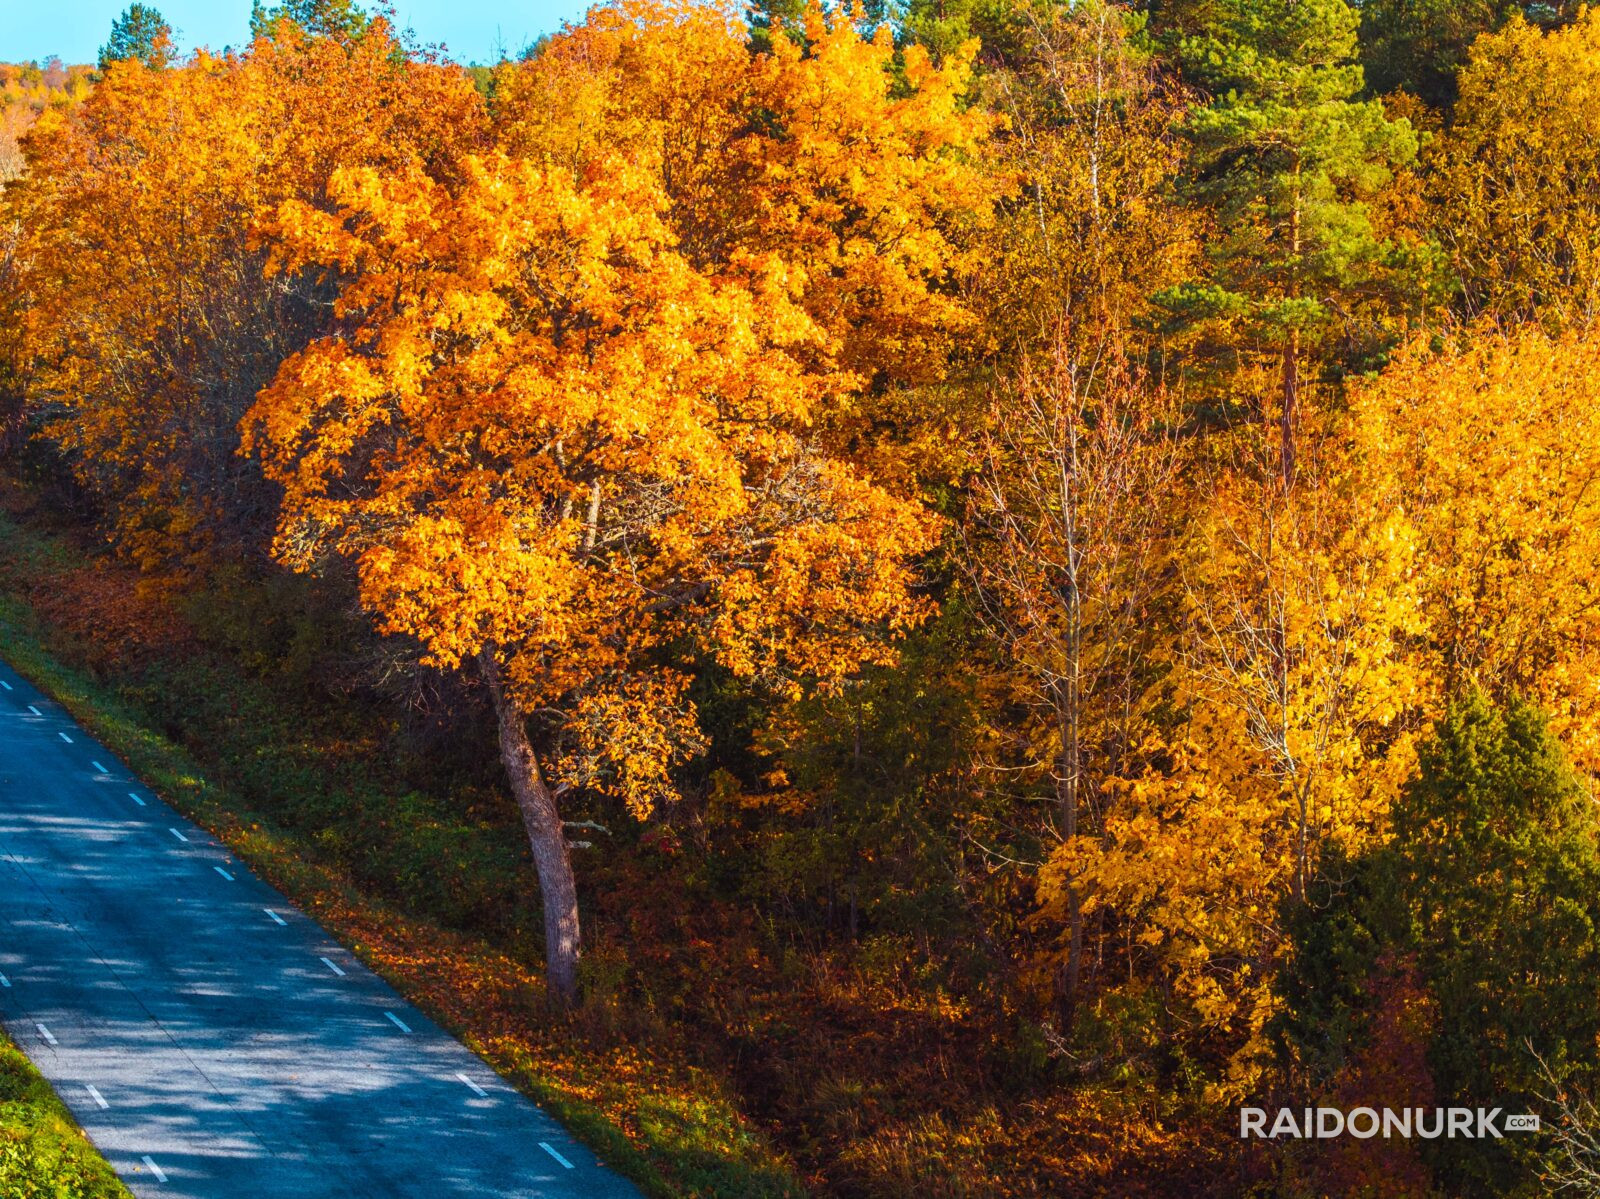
<point>1516,179</point>
<point>151,319</point>
<point>1490,455</point>
<point>810,155</point>
<point>556,428</point>
<point>1300,708</point>
<point>1452,541</point>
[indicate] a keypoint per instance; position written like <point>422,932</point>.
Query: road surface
<point>214,1042</point>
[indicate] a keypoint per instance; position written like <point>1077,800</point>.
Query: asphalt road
<point>214,1042</point>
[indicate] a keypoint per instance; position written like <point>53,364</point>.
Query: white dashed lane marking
<point>99,769</point>
<point>35,710</point>
<point>155,1169</point>
<point>332,967</point>
<point>49,1037</point>
<point>279,919</point>
<point>223,872</point>
<point>65,738</point>
<point>555,1155</point>
<point>479,1091</point>
<point>98,1098</point>
<point>178,835</point>
<point>135,799</point>
<point>398,1023</point>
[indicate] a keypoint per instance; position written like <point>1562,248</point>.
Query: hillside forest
<point>912,601</point>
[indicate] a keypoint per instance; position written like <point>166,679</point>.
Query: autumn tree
<point>26,91</point>
<point>1516,178</point>
<point>1089,233</point>
<point>149,312</point>
<point>139,33</point>
<point>1286,159</point>
<point>1491,449</point>
<point>1295,715</point>
<point>1064,450</point>
<point>14,358</point>
<point>1069,550</point>
<point>811,153</point>
<point>566,425</point>
<point>1451,550</point>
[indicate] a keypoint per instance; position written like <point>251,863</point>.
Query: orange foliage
<point>152,320</point>
<point>810,155</point>
<point>569,415</point>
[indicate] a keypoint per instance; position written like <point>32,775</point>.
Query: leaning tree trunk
<point>547,836</point>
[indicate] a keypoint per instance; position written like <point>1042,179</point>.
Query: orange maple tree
<point>573,438</point>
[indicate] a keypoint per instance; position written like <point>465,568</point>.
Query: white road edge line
<point>35,710</point>
<point>555,1155</point>
<point>398,1023</point>
<point>276,917</point>
<point>98,1098</point>
<point>65,738</point>
<point>223,872</point>
<point>101,769</point>
<point>155,1169</point>
<point>178,835</point>
<point>135,799</point>
<point>49,1037</point>
<point>481,1092</point>
<point>332,967</point>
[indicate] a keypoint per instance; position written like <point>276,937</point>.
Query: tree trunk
<point>546,835</point>
<point>1291,391</point>
<point>1069,772</point>
<point>1291,353</point>
<point>1068,698</point>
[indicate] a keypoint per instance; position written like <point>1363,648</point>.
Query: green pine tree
<point>1286,158</point>
<point>1490,889</point>
<point>141,33</point>
<point>342,20</point>
<point>1498,851</point>
<point>767,17</point>
<point>1001,26</point>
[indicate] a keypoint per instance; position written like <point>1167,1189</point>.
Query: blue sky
<point>472,30</point>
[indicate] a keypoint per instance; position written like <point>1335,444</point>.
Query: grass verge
<point>43,1153</point>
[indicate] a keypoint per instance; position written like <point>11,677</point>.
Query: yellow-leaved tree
<point>1298,706</point>
<point>1516,177</point>
<point>567,425</point>
<point>1448,540</point>
<point>1491,453</point>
